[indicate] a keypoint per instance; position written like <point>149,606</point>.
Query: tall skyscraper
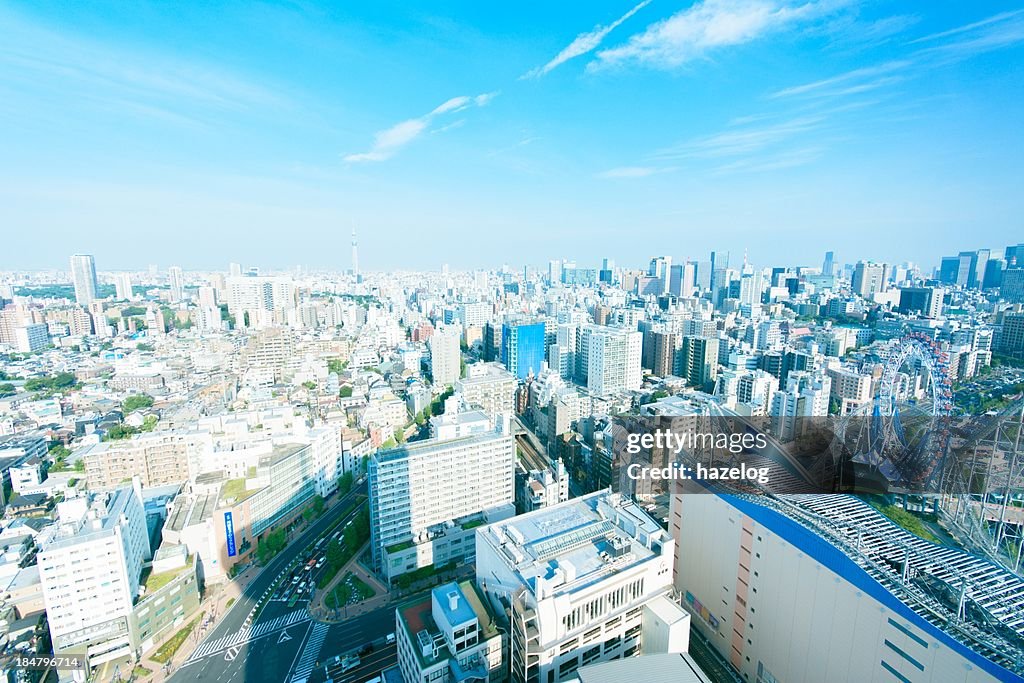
<point>83,274</point>
<point>828,267</point>
<point>176,280</point>
<point>355,254</point>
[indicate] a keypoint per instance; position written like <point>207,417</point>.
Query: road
<point>276,638</point>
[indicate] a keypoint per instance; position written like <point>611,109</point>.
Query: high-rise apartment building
<point>123,286</point>
<point>83,275</point>
<point>176,281</point>
<point>697,361</point>
<point>608,359</point>
<point>90,561</point>
<point>445,356</point>
<point>427,496</point>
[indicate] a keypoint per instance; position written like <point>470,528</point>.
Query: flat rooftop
<point>576,542</point>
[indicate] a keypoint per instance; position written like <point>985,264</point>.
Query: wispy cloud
<point>992,33</point>
<point>843,79</point>
<point>583,43</point>
<point>634,171</point>
<point>772,162</point>
<point>144,83</point>
<point>388,142</point>
<point>742,141</point>
<point>711,24</point>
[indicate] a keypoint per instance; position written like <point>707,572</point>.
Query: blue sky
<point>475,134</point>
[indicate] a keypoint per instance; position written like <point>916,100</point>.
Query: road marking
<point>284,637</point>
<point>248,634</point>
<point>230,655</point>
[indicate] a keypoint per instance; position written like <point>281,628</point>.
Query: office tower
<point>474,314</point>
<point>489,387</point>
<point>234,270</point>
<point>949,271</point>
<point>83,275</point>
<point>697,361</point>
<point>176,280</point>
<point>607,274</point>
<point>1014,256</point>
<point>659,269</point>
<point>585,581</point>
<point>90,562</point>
<point>828,266</point>
<point>993,273</point>
<point>492,341</point>
<point>1012,287</point>
<point>452,635</point>
<point>123,287</point>
<point>426,496</point>
<point>554,272</point>
<point>868,279</point>
<point>445,356</point>
<point>926,301</point>
<point>608,359</point>
<point>1011,337</point>
<point>683,279</point>
<point>861,599</point>
<point>522,348</point>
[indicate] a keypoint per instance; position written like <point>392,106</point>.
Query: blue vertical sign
<point>229,531</point>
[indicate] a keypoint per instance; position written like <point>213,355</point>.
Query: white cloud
<point>993,33</point>
<point>711,24</point>
<point>843,78</point>
<point>742,141</point>
<point>584,43</point>
<point>631,172</point>
<point>388,142</point>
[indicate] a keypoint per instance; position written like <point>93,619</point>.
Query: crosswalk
<point>310,653</point>
<point>244,635</point>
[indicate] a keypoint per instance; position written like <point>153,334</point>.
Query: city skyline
<point>497,135</point>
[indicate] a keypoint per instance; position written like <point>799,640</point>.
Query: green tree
<point>399,435</point>
<point>80,466</point>
<point>345,483</point>
<point>7,389</point>
<point>335,555</point>
<point>136,402</point>
<point>345,391</point>
<point>149,424</point>
<point>318,505</point>
<point>121,431</point>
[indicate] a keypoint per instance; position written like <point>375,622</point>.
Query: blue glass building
<point>522,348</point>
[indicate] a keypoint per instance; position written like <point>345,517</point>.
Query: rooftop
<point>568,546</point>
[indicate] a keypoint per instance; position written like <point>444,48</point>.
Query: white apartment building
<point>588,580</point>
<point>612,357</point>
<point>806,396</point>
<point>445,356</point>
<point>90,562</point>
<point>31,338</point>
<point>427,496</point>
